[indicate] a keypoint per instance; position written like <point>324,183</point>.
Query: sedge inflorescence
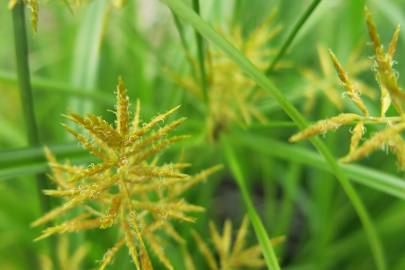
<point>391,94</point>
<point>326,83</point>
<point>127,189</point>
<point>231,255</point>
<point>232,95</point>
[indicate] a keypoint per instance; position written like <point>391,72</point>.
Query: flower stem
<point>23,74</point>
<point>201,55</point>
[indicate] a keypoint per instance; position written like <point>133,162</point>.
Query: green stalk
<point>290,38</point>
<point>183,41</point>
<point>261,80</point>
<point>23,74</point>
<point>201,55</point>
<point>261,234</point>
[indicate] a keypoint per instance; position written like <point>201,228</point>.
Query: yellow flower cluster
<point>126,189</point>
<point>231,256</point>
<point>328,85</point>
<point>391,93</point>
<point>232,96</point>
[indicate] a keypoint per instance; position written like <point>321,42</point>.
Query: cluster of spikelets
<point>65,260</point>
<point>127,189</point>
<point>230,256</point>
<point>232,96</point>
<point>389,137</point>
<point>327,83</point>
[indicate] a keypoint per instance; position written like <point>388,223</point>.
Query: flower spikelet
<point>231,254</point>
<point>126,188</point>
<point>387,138</point>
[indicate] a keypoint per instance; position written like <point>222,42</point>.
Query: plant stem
<point>261,234</point>
<point>290,38</point>
<point>262,81</point>
<point>23,74</point>
<point>183,41</point>
<point>201,55</point>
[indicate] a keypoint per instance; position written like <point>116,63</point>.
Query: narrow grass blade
<point>261,234</point>
<point>59,88</point>
<point>261,80</point>
<point>201,55</point>
<point>87,50</point>
<point>291,36</point>
<point>371,178</point>
<point>24,82</point>
<point>23,73</point>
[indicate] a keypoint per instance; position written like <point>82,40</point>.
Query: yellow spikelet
<point>34,7</point>
<point>358,132</point>
<point>236,257</point>
<point>324,126</point>
<point>122,109</point>
<point>397,146</point>
<point>385,73</point>
<point>109,255</point>
<point>156,246</point>
<point>205,250</point>
<point>379,140</point>
<point>351,91</point>
<point>241,236</point>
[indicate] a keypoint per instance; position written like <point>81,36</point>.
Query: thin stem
<point>262,81</point>
<point>261,234</point>
<point>201,55</point>
<point>23,74</point>
<point>184,44</point>
<point>290,38</point>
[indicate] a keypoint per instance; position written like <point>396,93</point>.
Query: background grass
<point>74,62</point>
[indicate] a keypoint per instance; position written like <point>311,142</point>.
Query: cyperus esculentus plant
<point>232,255</point>
<point>390,94</point>
<point>126,189</point>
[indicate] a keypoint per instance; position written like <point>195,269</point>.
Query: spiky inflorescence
<point>231,256</point>
<point>328,84</point>
<point>232,96</point>
<point>126,188</point>
<point>390,93</point>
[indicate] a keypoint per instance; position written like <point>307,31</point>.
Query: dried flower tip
<point>351,91</point>
<point>324,126</point>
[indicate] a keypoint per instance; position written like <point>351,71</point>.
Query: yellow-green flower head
<point>126,188</point>
<point>232,96</point>
<point>389,137</point>
<point>228,254</point>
